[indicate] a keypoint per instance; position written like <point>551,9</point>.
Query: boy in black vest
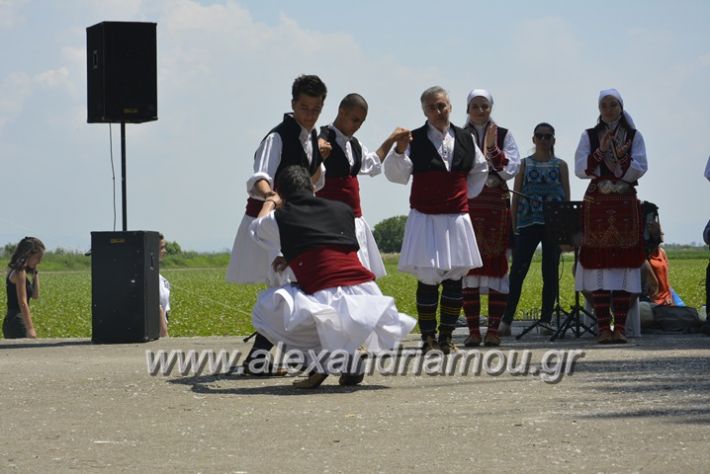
<point>293,141</point>
<point>347,159</point>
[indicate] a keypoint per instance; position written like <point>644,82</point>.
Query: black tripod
<point>565,221</point>
<point>563,226</point>
<point>573,320</point>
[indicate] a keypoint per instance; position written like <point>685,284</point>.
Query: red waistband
<point>345,189</point>
<point>439,192</point>
<point>328,267</point>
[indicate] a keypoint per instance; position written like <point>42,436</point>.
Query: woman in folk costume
<point>613,156</point>
<point>336,304</point>
<point>439,245</point>
<point>490,215</point>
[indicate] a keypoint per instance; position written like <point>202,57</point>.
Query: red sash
<point>439,192</point>
<point>346,189</point>
<point>490,217</point>
<point>319,268</point>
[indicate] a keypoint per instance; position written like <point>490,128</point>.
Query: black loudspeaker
<point>121,72</point>
<point>124,286</point>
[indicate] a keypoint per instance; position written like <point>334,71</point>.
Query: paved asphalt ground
<point>71,406</point>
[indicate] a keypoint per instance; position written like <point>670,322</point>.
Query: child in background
<point>22,283</point>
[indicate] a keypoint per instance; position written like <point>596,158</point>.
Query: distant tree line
<point>389,234</point>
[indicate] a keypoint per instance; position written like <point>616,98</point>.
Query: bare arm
<point>564,177</point>
<point>399,133</point>
<point>518,187</point>
<point>35,285</point>
<point>22,298</point>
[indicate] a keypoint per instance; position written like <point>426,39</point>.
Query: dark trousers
<point>524,249</point>
<point>707,289</point>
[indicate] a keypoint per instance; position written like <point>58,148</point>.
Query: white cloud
<point>10,13</point>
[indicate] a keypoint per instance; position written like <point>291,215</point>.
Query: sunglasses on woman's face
<point>544,136</point>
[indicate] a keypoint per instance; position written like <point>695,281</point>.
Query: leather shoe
<point>605,337</point>
<point>619,337</point>
<point>491,340</point>
<point>472,341</point>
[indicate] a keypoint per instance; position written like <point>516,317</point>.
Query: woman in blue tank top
<point>542,178</point>
<point>21,284</point>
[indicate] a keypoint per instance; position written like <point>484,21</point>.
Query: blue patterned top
<point>542,181</point>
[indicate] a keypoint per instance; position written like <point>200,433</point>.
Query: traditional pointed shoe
<point>313,381</point>
<point>605,337</point>
<point>619,337</point>
<point>491,340</point>
<point>430,344</point>
<point>473,340</point>
<point>349,380</point>
<point>446,343</point>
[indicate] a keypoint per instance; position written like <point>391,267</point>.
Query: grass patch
<point>204,304</point>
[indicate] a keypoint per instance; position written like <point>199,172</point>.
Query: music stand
<point>563,225</point>
<point>563,222</point>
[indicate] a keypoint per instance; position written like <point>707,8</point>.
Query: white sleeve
<point>639,164</point>
<point>266,161</point>
<point>318,185</point>
<point>581,157</point>
<point>510,148</point>
<point>398,167</point>
<point>707,170</point>
<point>371,164</point>
<point>265,232</point>
<point>476,178</point>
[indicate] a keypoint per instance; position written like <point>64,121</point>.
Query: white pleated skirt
<point>610,279</point>
<point>369,254</point>
<point>485,283</point>
<point>438,247</point>
<point>344,318</point>
<point>250,263</point>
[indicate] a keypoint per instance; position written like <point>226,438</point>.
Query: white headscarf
<point>478,93</point>
<point>472,95</point>
<point>615,94</point>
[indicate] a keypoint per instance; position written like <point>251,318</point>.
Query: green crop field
<point>204,304</point>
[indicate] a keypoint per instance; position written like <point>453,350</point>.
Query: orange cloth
<point>659,264</point>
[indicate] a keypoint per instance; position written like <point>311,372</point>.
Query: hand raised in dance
<point>324,147</point>
<point>489,142</point>
<point>279,264</point>
<point>402,137</point>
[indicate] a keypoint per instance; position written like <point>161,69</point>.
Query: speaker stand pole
<point>123,176</point>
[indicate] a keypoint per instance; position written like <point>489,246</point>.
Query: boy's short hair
<point>309,85</point>
<point>292,180</point>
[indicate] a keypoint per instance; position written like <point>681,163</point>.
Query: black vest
<point>337,164</point>
<point>307,221</point>
<point>292,152</point>
<point>593,134</point>
<point>425,157</point>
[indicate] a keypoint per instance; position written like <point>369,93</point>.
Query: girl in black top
<point>22,283</point>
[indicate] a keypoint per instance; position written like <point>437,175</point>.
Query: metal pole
<point>123,176</point>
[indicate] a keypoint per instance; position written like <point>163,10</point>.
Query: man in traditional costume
<point>336,304</point>
<point>439,246</point>
<point>292,142</point>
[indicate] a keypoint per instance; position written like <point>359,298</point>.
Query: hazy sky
<point>225,70</point>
